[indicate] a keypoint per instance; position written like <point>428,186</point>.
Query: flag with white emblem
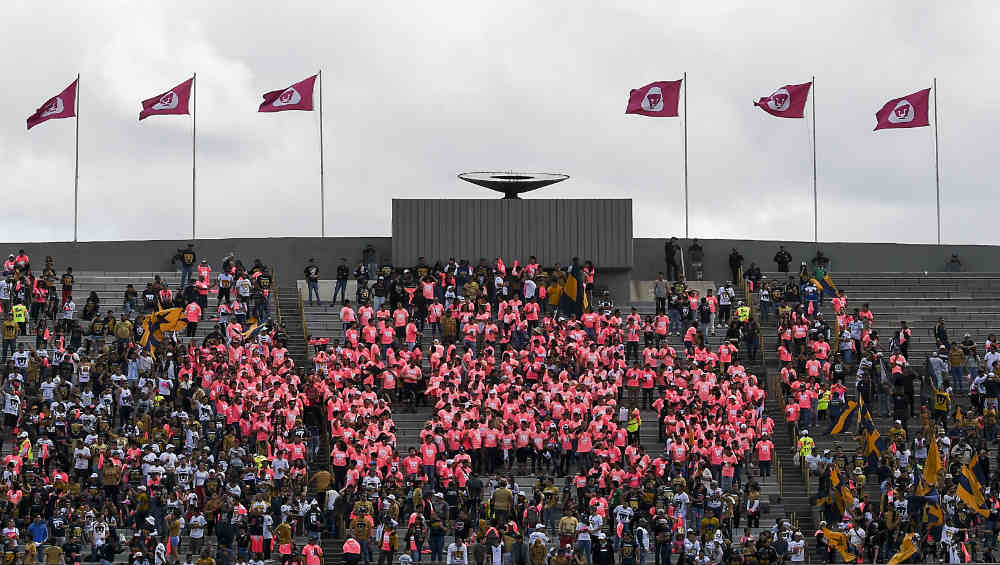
<point>62,105</point>
<point>173,101</point>
<point>910,111</point>
<point>789,101</point>
<point>656,99</point>
<point>299,96</point>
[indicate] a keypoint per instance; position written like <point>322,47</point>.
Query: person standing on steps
<point>735,263</point>
<point>670,249</point>
<point>783,258</point>
<point>696,254</point>
<point>660,294</point>
<point>311,273</point>
<point>186,257</point>
<point>343,272</point>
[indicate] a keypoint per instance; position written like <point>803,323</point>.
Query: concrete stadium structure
<point>553,230</point>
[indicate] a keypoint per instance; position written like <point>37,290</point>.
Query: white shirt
<point>857,536</point>
<point>81,457</point>
<point>20,359</point>
<point>280,467</point>
<point>538,536</point>
<point>198,524</point>
<point>529,289</point>
<point>12,404</point>
<point>160,554</point>
<point>948,534</point>
<point>797,549</point>
<point>991,358</point>
<point>458,556</point>
<point>48,389</point>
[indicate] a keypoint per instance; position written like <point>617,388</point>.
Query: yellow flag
<point>838,541</point>
<point>841,422</point>
<point>906,550</point>
<point>933,464</point>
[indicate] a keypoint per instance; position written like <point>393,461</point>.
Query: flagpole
<point>685,79</point>
<point>937,173</point>
<point>76,166</point>
<point>322,191</point>
<point>815,193</point>
<point>194,137</point>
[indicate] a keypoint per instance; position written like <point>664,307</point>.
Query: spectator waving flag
<point>789,101</point>
<point>910,111</point>
<point>173,101</point>
<point>932,466</point>
<point>838,542</point>
<point>62,105</point>
<point>970,486</point>
<point>656,99</point>
<point>299,96</point>
<point>156,325</point>
<point>838,426</point>
<point>573,301</point>
<point>906,549</point>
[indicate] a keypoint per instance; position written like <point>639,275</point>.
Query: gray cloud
<point>416,93</point>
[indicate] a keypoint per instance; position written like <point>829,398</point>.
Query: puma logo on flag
<point>55,107</point>
<point>174,101</point>
<point>298,96</point>
<point>658,99</point>
<point>910,111</point>
<point>62,105</point>
<point>788,101</point>
<point>289,96</point>
<point>168,101</point>
<point>653,102</point>
<point>780,100</point>
<point>902,113</point>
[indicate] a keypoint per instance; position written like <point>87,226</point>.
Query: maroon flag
<point>62,105</point>
<point>907,112</point>
<point>789,101</point>
<point>657,99</point>
<point>299,96</point>
<point>173,101</point>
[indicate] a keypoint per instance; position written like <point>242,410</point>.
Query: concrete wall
<point>846,257</point>
<point>287,255</point>
<point>552,230</point>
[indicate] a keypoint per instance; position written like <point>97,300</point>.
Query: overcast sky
<point>417,92</point>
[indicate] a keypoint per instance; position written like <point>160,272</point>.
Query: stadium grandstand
<point>516,400</point>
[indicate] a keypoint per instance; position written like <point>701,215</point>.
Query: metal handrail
<point>277,299</point>
<point>779,473</point>
<point>302,316</point>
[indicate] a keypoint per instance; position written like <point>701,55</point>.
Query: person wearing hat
<point>806,444</point>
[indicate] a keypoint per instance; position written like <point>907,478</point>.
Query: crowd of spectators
<point>921,489</point>
<point>119,452</point>
<point>521,384</point>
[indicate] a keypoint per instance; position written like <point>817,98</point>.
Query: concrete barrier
<point>642,291</point>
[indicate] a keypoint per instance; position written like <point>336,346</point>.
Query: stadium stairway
<point>778,502</point>
<point>287,298</point>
